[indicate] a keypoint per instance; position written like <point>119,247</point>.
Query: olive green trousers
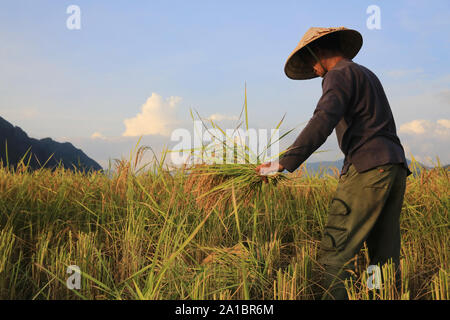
<point>365,208</point>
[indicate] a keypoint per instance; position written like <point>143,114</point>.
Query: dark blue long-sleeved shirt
<point>354,103</point>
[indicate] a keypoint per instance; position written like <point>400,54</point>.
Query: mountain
<point>17,142</point>
<point>325,166</point>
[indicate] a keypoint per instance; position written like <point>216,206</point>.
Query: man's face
<point>316,64</point>
<point>309,59</point>
<point>318,70</point>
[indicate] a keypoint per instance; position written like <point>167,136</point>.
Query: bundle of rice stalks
<point>212,184</point>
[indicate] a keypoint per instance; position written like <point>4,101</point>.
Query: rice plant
<point>141,236</point>
<point>212,179</point>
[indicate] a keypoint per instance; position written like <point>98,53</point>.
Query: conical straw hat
<point>295,67</point>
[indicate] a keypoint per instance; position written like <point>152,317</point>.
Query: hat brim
<point>297,69</point>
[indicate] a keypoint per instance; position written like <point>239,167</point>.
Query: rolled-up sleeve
<point>330,109</point>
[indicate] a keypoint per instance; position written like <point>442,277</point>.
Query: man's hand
<point>268,168</point>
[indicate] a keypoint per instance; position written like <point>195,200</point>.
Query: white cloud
<point>443,128</point>
<point>98,135</point>
<point>426,140</point>
<point>444,123</point>
<point>221,117</point>
<point>415,127</point>
<point>438,129</point>
<point>157,117</point>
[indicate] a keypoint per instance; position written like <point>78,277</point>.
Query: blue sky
<point>81,85</point>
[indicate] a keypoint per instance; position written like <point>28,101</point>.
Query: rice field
<point>147,234</point>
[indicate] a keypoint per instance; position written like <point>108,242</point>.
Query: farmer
<point>368,200</point>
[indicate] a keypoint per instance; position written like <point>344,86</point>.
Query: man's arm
<point>337,89</point>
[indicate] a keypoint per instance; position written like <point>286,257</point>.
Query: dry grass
<point>211,185</point>
<point>148,235</point>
